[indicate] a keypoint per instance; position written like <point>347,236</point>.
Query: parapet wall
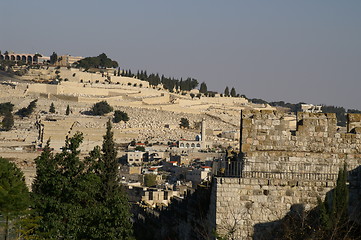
<point>316,145</point>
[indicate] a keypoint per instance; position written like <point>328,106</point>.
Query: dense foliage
<point>233,92</point>
<point>168,83</point>
<point>81,199</point>
<point>203,88</point>
<point>120,116</point>
<point>6,107</point>
<point>27,111</point>
<point>150,180</point>
<point>8,121</point>
<point>14,195</point>
<point>101,61</point>
<point>53,58</point>
<point>226,92</point>
<point>101,108</point>
<point>6,110</point>
<point>184,123</point>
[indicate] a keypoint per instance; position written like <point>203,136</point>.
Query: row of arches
<point>16,57</point>
<point>189,145</point>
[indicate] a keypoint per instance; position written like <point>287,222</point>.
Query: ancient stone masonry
<point>284,168</point>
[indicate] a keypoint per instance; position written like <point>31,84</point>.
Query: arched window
<point>198,145</point>
<point>192,145</point>
<point>181,145</point>
<point>187,145</point>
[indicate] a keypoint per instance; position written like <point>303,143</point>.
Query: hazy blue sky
<point>306,50</point>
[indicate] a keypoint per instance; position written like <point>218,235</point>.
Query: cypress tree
<point>226,92</point>
<point>203,87</point>
<point>52,108</point>
<point>233,92</point>
<point>67,112</point>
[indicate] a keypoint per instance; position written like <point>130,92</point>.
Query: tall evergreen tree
<point>334,217</point>
<point>233,92</point>
<point>81,199</point>
<point>14,195</point>
<point>203,87</point>
<point>52,108</point>
<point>226,92</point>
<point>67,111</point>
<point>114,220</point>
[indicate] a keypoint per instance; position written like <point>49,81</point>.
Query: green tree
<point>53,58</point>
<point>101,61</point>
<point>226,92</point>
<point>6,107</point>
<point>203,87</point>
<point>101,108</point>
<point>140,148</point>
<point>67,112</point>
<point>113,221</point>
<point>120,116</point>
<point>14,195</point>
<point>81,199</point>
<point>334,217</point>
<point>150,180</point>
<point>233,92</point>
<point>62,191</point>
<point>52,108</point>
<point>184,123</point>
<point>8,121</point>
<point>25,112</point>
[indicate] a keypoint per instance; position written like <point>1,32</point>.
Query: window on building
<point>165,195</point>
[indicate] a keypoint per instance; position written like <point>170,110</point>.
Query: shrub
<point>8,121</point>
<point>184,123</point>
<point>150,180</point>
<point>120,116</point>
<point>6,107</point>
<point>25,112</point>
<point>101,108</point>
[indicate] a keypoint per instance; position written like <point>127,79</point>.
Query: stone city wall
<point>285,170</point>
<point>252,206</point>
<point>315,145</point>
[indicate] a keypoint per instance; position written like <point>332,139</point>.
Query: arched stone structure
<point>26,58</point>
